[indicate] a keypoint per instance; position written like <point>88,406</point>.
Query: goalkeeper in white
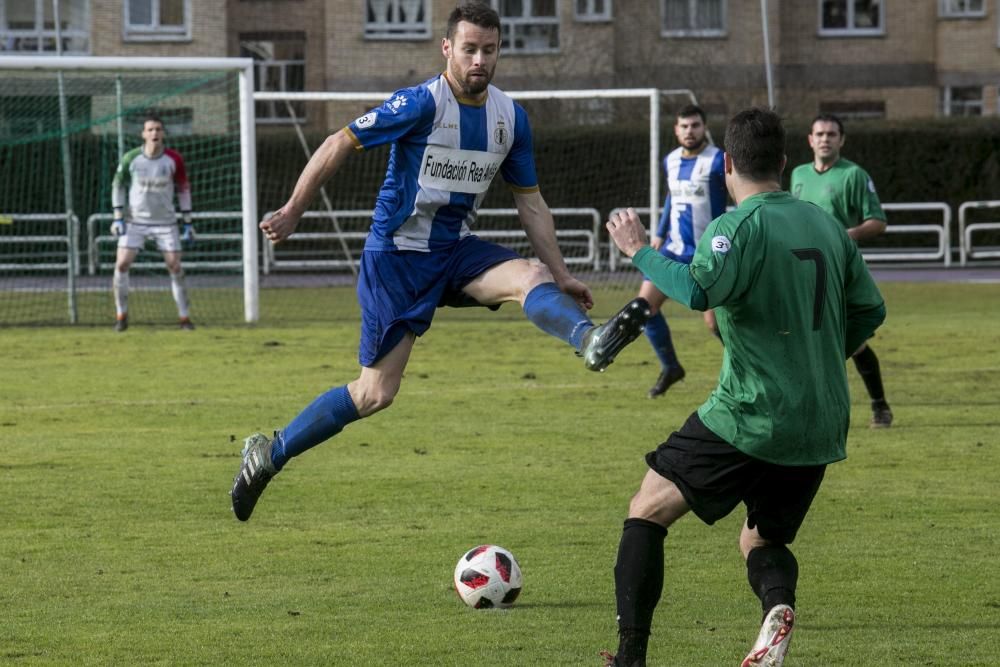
<point>151,174</point>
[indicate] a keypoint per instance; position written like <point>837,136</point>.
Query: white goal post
<point>59,67</point>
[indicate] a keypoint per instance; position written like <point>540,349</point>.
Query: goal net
<point>595,150</point>
<point>64,125</point>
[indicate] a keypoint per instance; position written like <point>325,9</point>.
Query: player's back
<point>782,392</point>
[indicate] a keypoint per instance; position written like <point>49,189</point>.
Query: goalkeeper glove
<point>118,227</point>
<point>187,236</point>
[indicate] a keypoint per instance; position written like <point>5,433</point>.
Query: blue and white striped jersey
<point>696,195</point>
<point>445,152</point>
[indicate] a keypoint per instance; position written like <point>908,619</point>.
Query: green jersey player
<point>845,191</point>
<point>793,298</point>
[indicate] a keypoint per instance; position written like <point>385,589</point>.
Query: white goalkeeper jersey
<point>151,183</point>
<point>445,152</point>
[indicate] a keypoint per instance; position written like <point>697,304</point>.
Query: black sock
<point>773,573</point>
<point>867,364</point>
<point>638,584</point>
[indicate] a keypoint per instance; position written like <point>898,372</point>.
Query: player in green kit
<point>845,191</point>
<point>793,298</point>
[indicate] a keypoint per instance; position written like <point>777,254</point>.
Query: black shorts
<point>714,477</point>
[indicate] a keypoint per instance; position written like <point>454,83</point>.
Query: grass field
<point>117,544</point>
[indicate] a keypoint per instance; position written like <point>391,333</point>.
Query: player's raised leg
<point>532,285</point>
<point>325,417</point>
<point>556,312</point>
<point>602,344</point>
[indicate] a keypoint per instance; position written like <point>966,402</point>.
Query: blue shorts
<point>399,290</point>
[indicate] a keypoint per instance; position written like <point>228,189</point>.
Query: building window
<point>528,26</point>
<point>29,27</point>
<point>693,18</point>
<point>961,8</point>
<point>854,110</point>
<point>157,20</point>
<point>279,66</point>
<point>962,101</point>
<point>592,10</point>
<point>840,18</point>
<point>397,19</point>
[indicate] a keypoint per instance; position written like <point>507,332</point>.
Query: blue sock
<point>321,420</point>
<point>658,334</point>
<point>557,314</point>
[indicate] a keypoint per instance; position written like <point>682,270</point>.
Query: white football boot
<point>772,642</point>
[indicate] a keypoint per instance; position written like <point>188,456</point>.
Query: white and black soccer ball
<point>488,577</point>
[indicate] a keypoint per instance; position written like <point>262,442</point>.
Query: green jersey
<point>793,299</point>
<point>845,191</point>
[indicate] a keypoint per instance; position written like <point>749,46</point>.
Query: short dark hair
<point>827,118</point>
<point>152,116</point>
<point>689,110</point>
<point>475,12</point>
<point>755,141</point>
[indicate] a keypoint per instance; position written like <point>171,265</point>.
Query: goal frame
<point>248,159</point>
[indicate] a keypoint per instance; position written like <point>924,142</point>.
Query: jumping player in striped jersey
<point>142,196</point>
<point>450,137</point>
<point>696,195</point>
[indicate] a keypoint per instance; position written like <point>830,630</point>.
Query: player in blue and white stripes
<point>450,136</point>
<point>696,195</point>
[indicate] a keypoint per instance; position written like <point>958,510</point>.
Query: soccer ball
<point>488,576</point>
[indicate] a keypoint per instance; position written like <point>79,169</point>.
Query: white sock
<point>180,294</point>
<point>120,285</point>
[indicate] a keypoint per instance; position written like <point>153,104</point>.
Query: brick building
<point>860,58</point>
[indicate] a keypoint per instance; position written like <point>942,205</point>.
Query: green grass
<point>117,545</point>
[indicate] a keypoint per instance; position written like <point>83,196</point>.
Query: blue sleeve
<point>717,185</point>
<point>405,110</point>
<point>661,228</point>
<point>518,169</point>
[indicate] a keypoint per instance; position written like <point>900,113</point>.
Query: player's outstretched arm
<point>323,164</point>
<point>536,218</point>
<point>672,278</point>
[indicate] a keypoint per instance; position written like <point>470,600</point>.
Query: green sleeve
<point>866,197</point>
<point>864,306</point>
<point>672,278</point>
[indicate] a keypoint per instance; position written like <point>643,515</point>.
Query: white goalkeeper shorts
<point>167,237</point>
